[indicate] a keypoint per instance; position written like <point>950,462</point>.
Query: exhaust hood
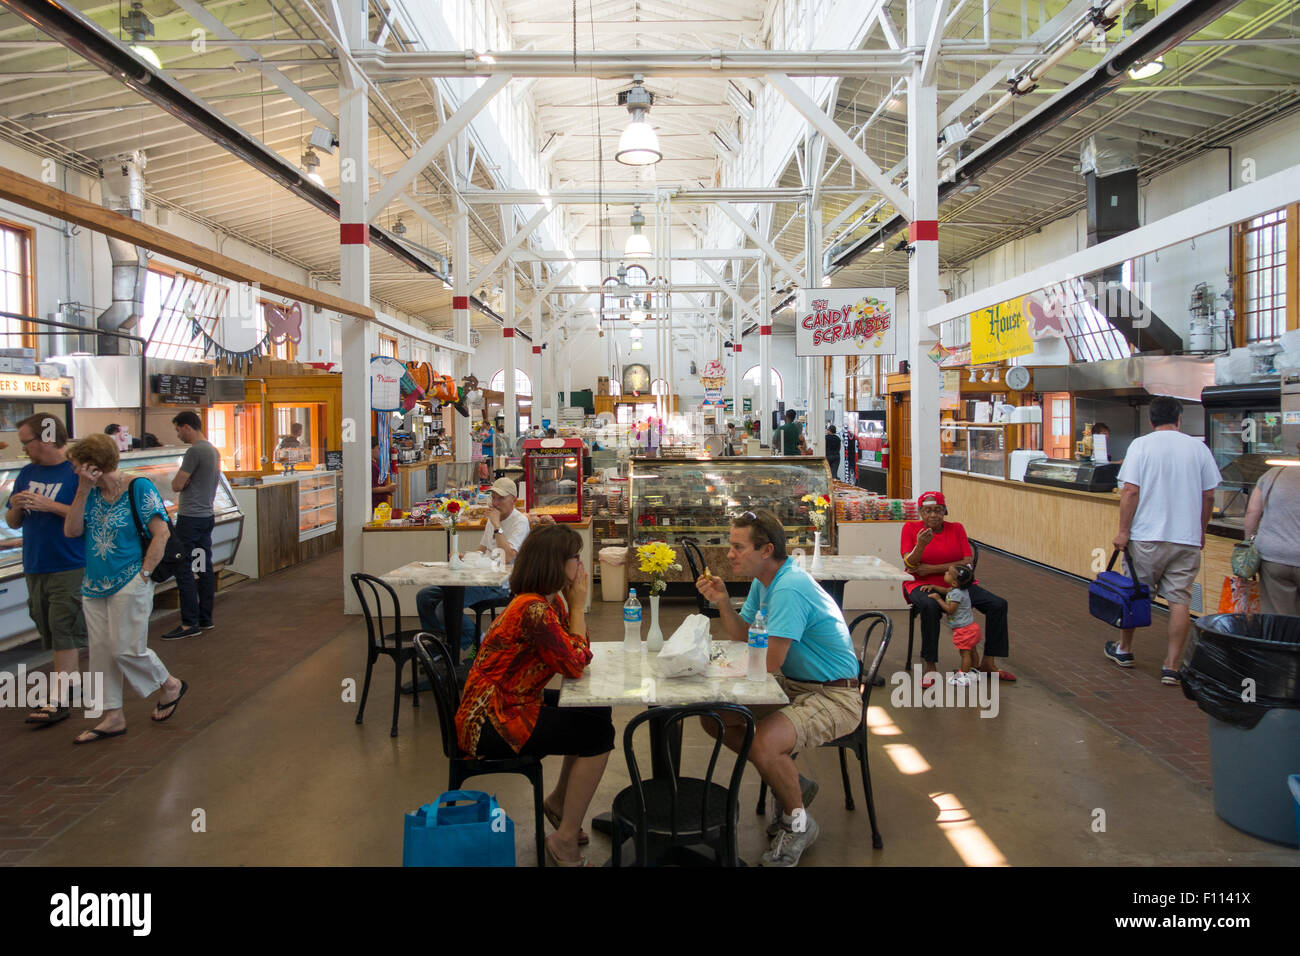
<point>1182,376</point>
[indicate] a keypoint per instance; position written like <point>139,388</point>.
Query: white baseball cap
<point>506,488</point>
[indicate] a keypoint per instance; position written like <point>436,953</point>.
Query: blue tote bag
<point>476,833</point>
<point>1120,601</point>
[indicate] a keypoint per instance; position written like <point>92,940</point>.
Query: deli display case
<point>159,465</point>
<point>553,477</point>
<point>974,449</point>
<point>1243,428</point>
<point>1076,475</point>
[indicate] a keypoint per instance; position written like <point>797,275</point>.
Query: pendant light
<point>637,315</point>
<point>638,246</point>
<point>311,163</point>
<point>139,27</point>
<point>638,146</point>
<point>1148,70</point>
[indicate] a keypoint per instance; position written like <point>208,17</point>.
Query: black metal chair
<point>665,814</point>
<point>432,653</point>
<point>913,613</point>
<point>384,642</point>
<point>695,561</point>
<point>868,667</point>
<point>490,608</point>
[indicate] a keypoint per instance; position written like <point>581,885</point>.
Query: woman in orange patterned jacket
<point>505,709</point>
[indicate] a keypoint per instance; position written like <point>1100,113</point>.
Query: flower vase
<point>655,639</point>
<point>817,551</point>
<point>453,556</point>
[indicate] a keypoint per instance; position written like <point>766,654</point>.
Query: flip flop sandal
<point>171,703</point>
<point>553,819</point>
<point>46,718</point>
<point>98,735</point>
<point>553,860</point>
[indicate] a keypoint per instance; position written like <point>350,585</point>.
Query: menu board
<point>180,389</point>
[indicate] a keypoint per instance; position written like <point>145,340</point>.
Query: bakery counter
<point>289,519</point>
<point>1068,530</point>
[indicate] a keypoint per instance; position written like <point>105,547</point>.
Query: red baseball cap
<point>932,496</point>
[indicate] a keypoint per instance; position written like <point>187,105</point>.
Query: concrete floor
<point>275,771</point>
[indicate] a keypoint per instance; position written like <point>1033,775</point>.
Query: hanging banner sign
<point>950,389</point>
<point>845,322</point>
<point>1010,328</point>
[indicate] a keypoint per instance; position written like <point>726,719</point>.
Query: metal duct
<point>122,179</point>
<point>1171,28</point>
<point>88,40</point>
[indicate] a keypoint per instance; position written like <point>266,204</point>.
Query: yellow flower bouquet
<point>817,508</point>
<point>656,559</point>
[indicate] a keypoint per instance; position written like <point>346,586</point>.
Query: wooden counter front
<point>1071,531</point>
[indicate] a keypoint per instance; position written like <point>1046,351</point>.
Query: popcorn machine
<point>553,477</point>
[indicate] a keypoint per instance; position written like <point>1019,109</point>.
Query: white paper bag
<point>687,651</point>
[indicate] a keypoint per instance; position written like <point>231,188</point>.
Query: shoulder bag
<point>1118,600</point>
<point>174,552</point>
<point>1245,556</point>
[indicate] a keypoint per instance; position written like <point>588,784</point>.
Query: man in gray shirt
<point>197,484</point>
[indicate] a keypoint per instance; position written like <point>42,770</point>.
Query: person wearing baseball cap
<point>930,547</point>
<point>506,528</point>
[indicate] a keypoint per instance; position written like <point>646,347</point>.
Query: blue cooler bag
<point>477,833</point>
<point>1119,601</point>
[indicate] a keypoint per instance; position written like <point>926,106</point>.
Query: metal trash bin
<point>613,574</point>
<point>1244,672</point>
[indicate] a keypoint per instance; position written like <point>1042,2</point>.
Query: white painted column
<point>535,410</point>
<point>460,291</point>
<point>816,431</point>
<point>508,332</point>
<point>923,267</point>
<point>765,400</point>
<point>354,276</point>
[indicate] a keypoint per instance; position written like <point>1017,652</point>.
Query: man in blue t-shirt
<point>53,563</point>
<point>809,644</point>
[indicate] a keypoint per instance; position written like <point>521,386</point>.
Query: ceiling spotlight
<point>322,138</point>
<point>971,188</point>
<point>139,28</point>
<point>311,163</point>
<point>638,246</point>
<point>1148,70</point>
<point>972,374</point>
<point>996,374</point>
<point>638,146</point>
<point>985,376</point>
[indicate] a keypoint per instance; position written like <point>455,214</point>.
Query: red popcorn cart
<point>553,477</point>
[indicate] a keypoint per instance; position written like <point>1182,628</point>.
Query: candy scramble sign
<point>845,322</point>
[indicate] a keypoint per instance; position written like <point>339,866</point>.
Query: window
<point>778,390</point>
<point>16,293</point>
<point>388,346</point>
<point>173,302</point>
<point>1261,262</point>
<point>523,384</point>
<point>1088,333</point>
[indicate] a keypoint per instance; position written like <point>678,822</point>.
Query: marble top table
<point>453,582</point>
<point>616,679</point>
<point>844,567</point>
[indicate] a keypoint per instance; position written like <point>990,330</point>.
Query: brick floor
<point>264,628</point>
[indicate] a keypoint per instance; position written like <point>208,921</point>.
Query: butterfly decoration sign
<point>283,323</point>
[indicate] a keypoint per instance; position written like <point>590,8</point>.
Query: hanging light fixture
<point>637,315</point>
<point>311,163</point>
<point>1148,69</point>
<point>638,246</point>
<point>635,332</point>
<point>139,27</point>
<point>638,146</point>
<point>399,228</point>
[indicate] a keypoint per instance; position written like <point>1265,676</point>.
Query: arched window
<point>659,387</point>
<point>523,384</point>
<point>778,391</point>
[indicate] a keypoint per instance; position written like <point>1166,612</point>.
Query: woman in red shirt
<point>930,547</point>
<point>505,710</point>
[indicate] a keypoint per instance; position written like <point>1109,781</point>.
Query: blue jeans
<point>429,604</point>
<point>196,589</point>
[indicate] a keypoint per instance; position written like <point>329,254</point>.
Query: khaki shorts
<point>54,602</point>
<point>1168,569</point>
<point>819,713</point>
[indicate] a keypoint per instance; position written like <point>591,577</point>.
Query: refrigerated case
<point>974,449</point>
<point>553,477</point>
<point>867,435</point>
<point>1243,428</point>
<point>1075,474</point>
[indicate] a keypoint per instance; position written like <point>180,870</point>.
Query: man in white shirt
<point>506,528</point>
<point>1168,498</point>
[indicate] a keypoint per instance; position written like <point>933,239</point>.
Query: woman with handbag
<point>1273,512</point>
<point>505,710</point>
<point>117,593</point>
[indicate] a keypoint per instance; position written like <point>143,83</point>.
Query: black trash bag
<point>1232,648</point>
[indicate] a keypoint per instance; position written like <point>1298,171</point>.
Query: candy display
<point>854,504</point>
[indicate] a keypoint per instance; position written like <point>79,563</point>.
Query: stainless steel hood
<point>1182,376</point>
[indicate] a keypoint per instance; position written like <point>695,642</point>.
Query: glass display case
<point>1077,475</point>
<point>1243,428</point>
<point>317,505</point>
<point>974,449</point>
<point>553,477</point>
<point>604,501</point>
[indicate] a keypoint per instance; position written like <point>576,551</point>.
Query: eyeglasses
<point>749,515</point>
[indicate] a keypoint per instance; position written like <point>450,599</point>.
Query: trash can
<point>613,574</point>
<point>1245,673</point>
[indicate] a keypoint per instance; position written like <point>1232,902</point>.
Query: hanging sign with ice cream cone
<point>845,322</point>
<point>713,377</point>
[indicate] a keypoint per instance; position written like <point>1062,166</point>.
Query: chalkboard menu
<point>333,461</point>
<point>180,389</point>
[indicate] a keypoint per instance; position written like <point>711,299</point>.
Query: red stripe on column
<point>924,230</point>
<point>765,330</point>
<point>353,234</point>
<point>537,350</point>
<point>460,302</point>
<point>507,332</point>
<point>737,346</point>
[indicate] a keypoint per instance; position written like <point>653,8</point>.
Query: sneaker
<point>206,627</point>
<point>809,790</point>
<point>183,631</point>
<point>788,846</point>
<point>1172,678</point>
<point>959,679</point>
<point>1122,658</point>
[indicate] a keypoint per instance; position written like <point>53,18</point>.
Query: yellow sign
<point>1001,332</point>
<point>12,386</point>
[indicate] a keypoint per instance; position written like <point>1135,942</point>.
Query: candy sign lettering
<point>845,322</point>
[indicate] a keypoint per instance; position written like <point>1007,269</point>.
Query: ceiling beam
<point>526,197</point>
<point>778,260</point>
<point>559,276</point>
<point>514,243</point>
<point>934,37</point>
<point>726,287</point>
<point>536,29</point>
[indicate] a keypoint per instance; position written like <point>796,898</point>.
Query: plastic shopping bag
<point>475,834</point>
<point>1239,597</point>
<point>687,651</point>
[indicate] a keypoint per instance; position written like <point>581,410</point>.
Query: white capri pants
<point>118,630</point>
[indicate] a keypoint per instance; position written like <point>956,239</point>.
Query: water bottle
<point>757,669</point>
<point>631,622</point>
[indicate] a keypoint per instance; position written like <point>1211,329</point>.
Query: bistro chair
<point>868,667</point>
<point>913,613</point>
<point>432,653</point>
<point>384,642</point>
<point>490,608</point>
<point>665,814</point>
<point>695,561</point>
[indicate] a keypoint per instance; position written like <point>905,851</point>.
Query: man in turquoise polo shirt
<point>810,647</point>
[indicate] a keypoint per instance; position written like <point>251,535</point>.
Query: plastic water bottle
<point>757,669</point>
<point>631,622</point>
